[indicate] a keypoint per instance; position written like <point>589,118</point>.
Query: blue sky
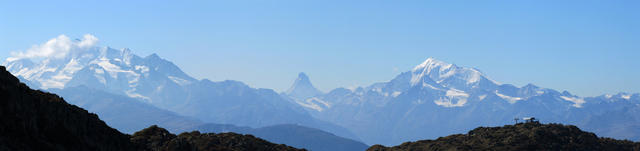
<point>586,47</point>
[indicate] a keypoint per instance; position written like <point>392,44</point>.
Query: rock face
<point>522,136</point>
<point>35,120</point>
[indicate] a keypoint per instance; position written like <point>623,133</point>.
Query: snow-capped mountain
<point>104,68</point>
<point>449,75</point>
<point>437,98</point>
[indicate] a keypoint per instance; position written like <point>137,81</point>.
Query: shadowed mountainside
<point>35,120</point>
<point>522,136</point>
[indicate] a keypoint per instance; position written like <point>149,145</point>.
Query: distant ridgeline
<point>530,135</point>
<point>35,120</point>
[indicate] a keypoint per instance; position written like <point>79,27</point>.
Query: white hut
<point>529,119</point>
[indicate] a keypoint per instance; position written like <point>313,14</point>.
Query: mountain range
<point>132,92</point>
<point>433,99</point>
<point>36,120</point>
<point>436,98</point>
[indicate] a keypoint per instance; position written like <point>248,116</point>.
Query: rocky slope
<point>522,136</point>
<point>36,120</point>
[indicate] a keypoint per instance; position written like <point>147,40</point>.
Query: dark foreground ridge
<point>156,138</point>
<point>522,136</point>
<point>35,120</point>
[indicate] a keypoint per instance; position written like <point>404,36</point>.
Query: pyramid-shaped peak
<point>302,75</point>
<point>302,82</point>
<point>302,87</point>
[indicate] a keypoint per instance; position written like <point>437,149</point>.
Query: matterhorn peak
<point>303,76</point>
<point>302,88</point>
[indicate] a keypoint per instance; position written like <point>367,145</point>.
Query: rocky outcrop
<point>155,139</point>
<point>522,136</point>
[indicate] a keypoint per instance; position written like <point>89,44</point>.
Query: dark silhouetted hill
<point>522,136</point>
<point>35,120</point>
<point>156,138</point>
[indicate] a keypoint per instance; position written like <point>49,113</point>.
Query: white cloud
<point>57,47</point>
<point>88,41</point>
